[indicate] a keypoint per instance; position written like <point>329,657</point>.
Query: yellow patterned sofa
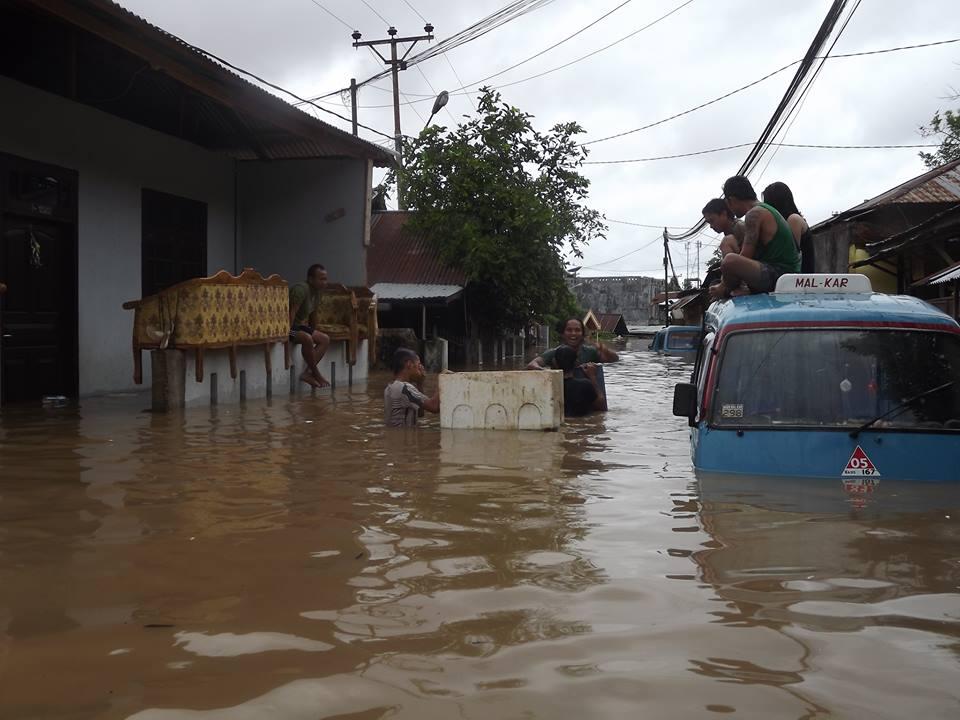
<point>367,325</point>
<point>221,311</point>
<point>336,317</point>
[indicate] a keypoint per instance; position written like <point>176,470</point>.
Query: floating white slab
<point>508,400</point>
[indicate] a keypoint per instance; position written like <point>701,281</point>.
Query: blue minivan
<point>825,378</point>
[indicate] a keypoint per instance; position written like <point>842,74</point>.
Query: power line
<point>799,83</point>
<point>694,108</point>
<point>894,49</point>
<point>506,14</point>
<point>303,101</point>
<point>750,144</point>
<point>760,80</point>
<point>374,11</point>
<point>555,45</point>
<point>656,239</point>
<point>415,10</point>
<point>598,51</point>
<point>333,15</point>
<point>466,88</point>
<point>644,225</point>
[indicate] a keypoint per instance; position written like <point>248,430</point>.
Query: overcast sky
<point>704,50</point>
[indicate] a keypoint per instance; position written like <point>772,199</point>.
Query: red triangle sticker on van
<point>859,465</point>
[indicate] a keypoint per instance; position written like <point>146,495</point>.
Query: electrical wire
<point>555,45</point>
<point>374,11</point>
<point>302,101</point>
<point>788,102</point>
<point>760,80</point>
<point>331,14</point>
<point>645,225</point>
<point>750,144</point>
<point>417,12</point>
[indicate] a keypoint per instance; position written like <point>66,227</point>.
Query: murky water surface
<point>296,561</point>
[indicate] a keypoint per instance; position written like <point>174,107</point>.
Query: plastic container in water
<point>508,400</point>
<point>54,400</point>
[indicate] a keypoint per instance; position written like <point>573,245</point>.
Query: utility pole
<point>666,282</point>
<point>396,64</point>
<point>699,283</point>
<point>353,105</point>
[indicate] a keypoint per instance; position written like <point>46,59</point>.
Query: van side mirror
<point>685,401</point>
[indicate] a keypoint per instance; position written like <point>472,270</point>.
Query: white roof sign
<point>824,283</point>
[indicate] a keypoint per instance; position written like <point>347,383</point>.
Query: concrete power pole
<point>396,64</point>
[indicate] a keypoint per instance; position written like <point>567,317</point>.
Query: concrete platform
<point>507,400</point>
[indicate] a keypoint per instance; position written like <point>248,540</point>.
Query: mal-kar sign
<point>824,283</point>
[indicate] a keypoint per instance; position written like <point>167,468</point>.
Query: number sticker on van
<point>731,411</point>
<point>859,465</point>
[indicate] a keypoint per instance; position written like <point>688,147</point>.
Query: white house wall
<point>291,217</point>
<point>115,160</point>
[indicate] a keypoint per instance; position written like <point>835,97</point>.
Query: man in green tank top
<point>767,250</point>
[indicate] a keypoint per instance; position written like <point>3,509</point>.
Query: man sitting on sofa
<point>304,298</point>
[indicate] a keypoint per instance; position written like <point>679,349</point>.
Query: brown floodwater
<point>294,560</point>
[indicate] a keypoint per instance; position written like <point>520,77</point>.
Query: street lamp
<point>442,99</point>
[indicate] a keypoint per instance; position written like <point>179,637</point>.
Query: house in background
<point>415,289</point>
<point>130,161</point>
<point>899,238</point>
<point>612,323</point>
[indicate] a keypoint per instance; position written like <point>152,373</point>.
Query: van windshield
<point>683,340</point>
<point>838,378</point>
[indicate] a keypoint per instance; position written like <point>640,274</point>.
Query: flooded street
<point>296,561</point>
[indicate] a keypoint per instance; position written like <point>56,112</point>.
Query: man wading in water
<point>304,298</point>
<point>768,249</point>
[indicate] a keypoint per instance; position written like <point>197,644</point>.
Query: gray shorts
<point>768,278</point>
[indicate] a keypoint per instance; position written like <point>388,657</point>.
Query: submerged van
<point>825,378</point>
<point>676,340</point>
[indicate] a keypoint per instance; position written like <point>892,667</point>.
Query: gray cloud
<point>702,51</point>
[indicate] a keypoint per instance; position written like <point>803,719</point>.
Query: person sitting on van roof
<point>721,220</point>
<point>580,395</point>
<point>768,249</point>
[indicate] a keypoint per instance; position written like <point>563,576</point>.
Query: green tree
<point>945,125</point>
<point>503,202</point>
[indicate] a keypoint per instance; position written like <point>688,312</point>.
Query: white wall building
<point>129,162</point>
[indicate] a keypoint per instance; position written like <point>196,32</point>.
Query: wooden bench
<point>222,311</point>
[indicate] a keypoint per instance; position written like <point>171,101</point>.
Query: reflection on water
<point>294,560</point>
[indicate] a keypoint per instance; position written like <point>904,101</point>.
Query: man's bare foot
<point>307,377</point>
<point>323,382</point>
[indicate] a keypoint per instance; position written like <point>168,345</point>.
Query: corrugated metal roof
<point>948,274</point>
<point>398,255</point>
<point>313,138</point>
<point>609,321</point>
<point>940,185</point>
<point>413,291</point>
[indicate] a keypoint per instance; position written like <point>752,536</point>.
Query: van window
<point>683,340</point>
<point>838,378</point>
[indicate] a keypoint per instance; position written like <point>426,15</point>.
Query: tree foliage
<point>504,203</point>
<point>945,125</point>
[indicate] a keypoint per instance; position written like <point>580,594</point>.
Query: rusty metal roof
<point>272,127</point>
<point>399,255</point>
<point>940,185</point>
<point>609,321</point>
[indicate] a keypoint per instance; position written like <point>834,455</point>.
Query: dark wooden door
<point>38,264</point>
